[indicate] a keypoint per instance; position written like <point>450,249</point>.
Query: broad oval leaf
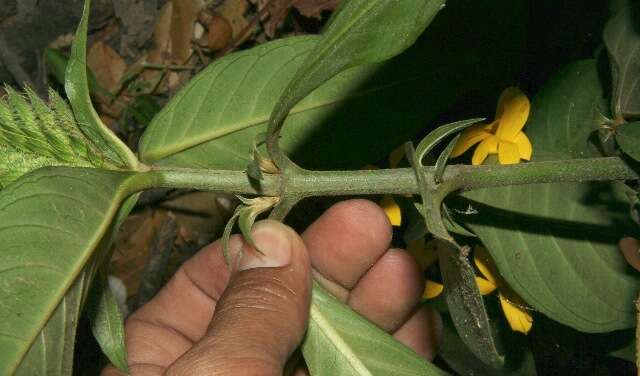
<point>51,223</point>
<point>555,244</point>
<point>622,39</point>
<point>360,32</point>
<point>628,137</point>
<point>77,89</point>
<point>213,120</point>
<point>341,342</point>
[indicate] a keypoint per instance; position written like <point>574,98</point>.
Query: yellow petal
<point>488,146</point>
<point>470,137</point>
<point>432,289</point>
<point>508,153</point>
<point>483,262</point>
<point>485,286</point>
<point>396,156</point>
<point>524,146</point>
<point>519,319</point>
<point>513,112</point>
<point>392,210</point>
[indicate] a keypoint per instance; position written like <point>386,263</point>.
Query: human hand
<point>209,320</point>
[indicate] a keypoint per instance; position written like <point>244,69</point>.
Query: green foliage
<point>35,134</point>
<point>219,112</point>
<point>622,39</point>
<point>360,32</point>
<point>77,89</point>
<point>455,351</point>
<point>555,244</point>
<point>107,323</point>
<point>341,342</point>
<point>52,223</point>
<point>628,137</point>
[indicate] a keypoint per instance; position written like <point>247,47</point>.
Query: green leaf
<point>466,305</point>
<point>519,361</point>
<point>77,89</point>
<point>360,32</point>
<point>628,138</point>
<point>57,67</point>
<point>556,244</point>
<point>107,323</point>
<point>341,342</point>
<point>622,39</point>
<point>216,116</point>
<point>53,223</point>
<point>437,135</point>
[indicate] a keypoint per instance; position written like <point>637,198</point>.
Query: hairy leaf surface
<point>52,221</point>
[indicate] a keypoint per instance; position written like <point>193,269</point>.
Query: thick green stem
<point>394,181</point>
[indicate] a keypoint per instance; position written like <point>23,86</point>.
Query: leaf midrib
<point>161,153</point>
<point>343,348</point>
<point>120,194</point>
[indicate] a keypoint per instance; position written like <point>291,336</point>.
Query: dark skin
<point>209,320</point>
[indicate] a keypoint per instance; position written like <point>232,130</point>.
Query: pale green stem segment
<point>391,181</point>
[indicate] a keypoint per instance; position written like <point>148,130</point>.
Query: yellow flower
<point>514,308</point>
<point>504,135</point>
<point>512,305</point>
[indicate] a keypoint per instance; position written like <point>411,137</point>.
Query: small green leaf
<point>466,305</point>
<point>340,342</point>
<point>107,323</point>
<point>434,137</point>
<point>622,39</point>
<point>248,213</point>
<point>443,158</point>
<point>628,137</point>
<point>360,32</point>
<point>77,88</point>
<point>57,67</point>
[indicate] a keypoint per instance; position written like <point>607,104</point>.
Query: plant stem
<point>395,181</point>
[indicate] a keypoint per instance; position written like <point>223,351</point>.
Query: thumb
<point>262,315</point>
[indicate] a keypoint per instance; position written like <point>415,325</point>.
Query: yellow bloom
<point>504,135</point>
<point>512,305</point>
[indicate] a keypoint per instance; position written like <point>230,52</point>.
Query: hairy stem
<point>393,181</point>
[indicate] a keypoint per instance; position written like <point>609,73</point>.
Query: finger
<point>347,240</point>
<point>178,316</point>
<point>422,332</point>
<point>389,292</point>
<point>261,317</point>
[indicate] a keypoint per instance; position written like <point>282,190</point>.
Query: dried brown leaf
<point>107,66</point>
<point>219,32</point>
<point>314,8</point>
<point>234,11</point>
